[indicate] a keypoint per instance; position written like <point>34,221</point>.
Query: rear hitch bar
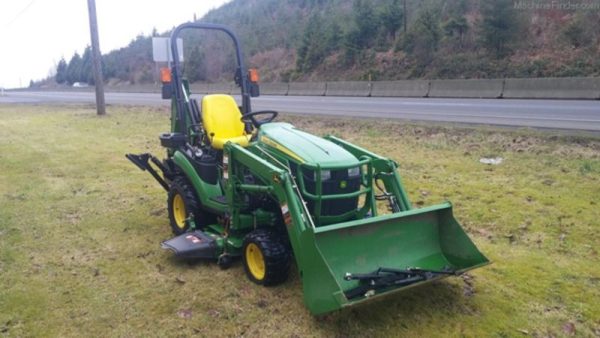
<point>141,161</point>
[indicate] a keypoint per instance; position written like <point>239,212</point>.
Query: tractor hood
<point>303,147</point>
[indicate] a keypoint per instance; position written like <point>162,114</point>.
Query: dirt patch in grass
<point>80,229</point>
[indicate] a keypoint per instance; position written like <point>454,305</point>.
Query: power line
<point>19,14</point>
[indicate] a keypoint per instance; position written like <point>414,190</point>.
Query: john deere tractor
<point>242,186</point>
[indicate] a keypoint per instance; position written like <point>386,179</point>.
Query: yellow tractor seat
<point>222,121</point>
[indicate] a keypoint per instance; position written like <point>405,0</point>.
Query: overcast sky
<point>35,34</point>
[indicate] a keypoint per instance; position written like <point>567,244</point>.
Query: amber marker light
<point>165,75</point>
<point>253,75</point>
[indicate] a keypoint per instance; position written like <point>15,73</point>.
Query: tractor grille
<point>338,182</point>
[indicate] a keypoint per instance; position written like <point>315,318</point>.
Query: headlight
<point>354,172</point>
<point>325,175</point>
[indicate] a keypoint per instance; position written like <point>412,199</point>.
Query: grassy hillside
<point>384,39</point>
<point>80,233</point>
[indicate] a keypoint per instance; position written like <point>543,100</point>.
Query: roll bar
<point>179,91</point>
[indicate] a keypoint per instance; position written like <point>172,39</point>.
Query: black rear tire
<point>266,257</point>
<point>181,202</point>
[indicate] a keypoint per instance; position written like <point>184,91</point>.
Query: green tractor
<point>240,185</point>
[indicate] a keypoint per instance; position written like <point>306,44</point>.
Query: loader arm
<point>385,169</point>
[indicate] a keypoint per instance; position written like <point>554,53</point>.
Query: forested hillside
<point>302,40</point>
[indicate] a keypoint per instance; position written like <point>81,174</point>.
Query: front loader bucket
<point>358,260</point>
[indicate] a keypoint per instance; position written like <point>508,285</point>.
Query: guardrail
<point>532,88</point>
<point>555,88</point>
<point>576,88</point>
<point>476,88</point>
<point>404,88</point>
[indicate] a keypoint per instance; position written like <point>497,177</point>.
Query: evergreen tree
<point>425,35</point>
<point>577,33</point>
<point>391,17</point>
<point>352,47</point>
<point>499,27</point>
<point>363,35</point>
<point>74,69</point>
<point>314,46</point>
<point>61,71</point>
<point>86,74</point>
<point>456,28</point>
<point>195,68</point>
<point>333,36</point>
<point>366,23</point>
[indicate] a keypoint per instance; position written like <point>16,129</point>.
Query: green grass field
<point>80,229</point>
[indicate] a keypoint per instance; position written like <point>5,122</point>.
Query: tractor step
<point>196,244</point>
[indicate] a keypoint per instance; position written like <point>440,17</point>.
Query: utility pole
<point>96,59</point>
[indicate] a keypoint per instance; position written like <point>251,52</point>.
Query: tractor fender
<point>204,190</point>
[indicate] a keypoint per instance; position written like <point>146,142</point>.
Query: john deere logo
<point>343,184</point>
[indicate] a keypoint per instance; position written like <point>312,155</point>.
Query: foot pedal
<point>194,244</point>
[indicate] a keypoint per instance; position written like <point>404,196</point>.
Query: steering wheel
<point>251,117</point>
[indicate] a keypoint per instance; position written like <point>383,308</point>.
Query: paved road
<point>556,114</point>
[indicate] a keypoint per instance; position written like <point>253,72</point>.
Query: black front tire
<point>224,262</point>
<point>266,257</point>
<point>183,202</point>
